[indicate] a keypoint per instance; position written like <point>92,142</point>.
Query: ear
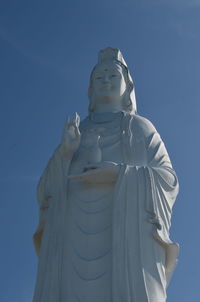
<point>126,101</point>
<point>91,106</point>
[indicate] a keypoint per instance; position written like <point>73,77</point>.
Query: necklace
<point>104,118</point>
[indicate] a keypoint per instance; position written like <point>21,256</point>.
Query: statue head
<point>110,81</point>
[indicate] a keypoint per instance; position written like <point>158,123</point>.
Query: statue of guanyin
<point>106,200</point>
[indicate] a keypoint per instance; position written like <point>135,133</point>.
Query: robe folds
<point>143,256</point>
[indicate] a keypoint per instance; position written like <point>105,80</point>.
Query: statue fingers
<point>156,222</point>
<point>66,126</point>
<point>77,119</point>
<point>77,132</point>
<point>67,121</point>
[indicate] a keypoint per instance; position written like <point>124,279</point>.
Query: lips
<point>106,87</point>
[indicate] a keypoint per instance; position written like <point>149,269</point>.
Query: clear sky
<point>47,51</point>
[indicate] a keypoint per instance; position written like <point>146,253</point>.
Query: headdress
<point>111,54</point>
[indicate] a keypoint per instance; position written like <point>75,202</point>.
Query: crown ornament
<point>110,54</point>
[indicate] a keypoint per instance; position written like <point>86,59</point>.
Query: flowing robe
<point>140,257</point>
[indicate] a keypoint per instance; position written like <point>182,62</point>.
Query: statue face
<point>108,83</point>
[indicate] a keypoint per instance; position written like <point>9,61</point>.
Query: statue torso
<point>90,208</point>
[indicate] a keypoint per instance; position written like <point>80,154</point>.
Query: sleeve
<point>161,180</point>
<point>49,187</point>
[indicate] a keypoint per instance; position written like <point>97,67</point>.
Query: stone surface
<point>106,200</point>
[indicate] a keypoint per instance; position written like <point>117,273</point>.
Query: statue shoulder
<point>142,127</point>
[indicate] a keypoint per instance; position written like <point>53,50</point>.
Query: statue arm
<point>152,182</point>
<point>150,154</point>
<point>48,188</point>
<point>150,150</point>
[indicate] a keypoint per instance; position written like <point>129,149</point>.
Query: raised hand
<point>71,135</point>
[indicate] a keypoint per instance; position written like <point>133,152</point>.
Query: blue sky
<point>47,51</point>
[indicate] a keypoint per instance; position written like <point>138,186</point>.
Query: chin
<point>107,99</point>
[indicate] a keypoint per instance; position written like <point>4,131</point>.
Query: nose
<point>105,79</point>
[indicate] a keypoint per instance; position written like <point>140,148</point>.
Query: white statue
<point>106,200</point>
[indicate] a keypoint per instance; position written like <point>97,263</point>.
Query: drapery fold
<point>50,236</point>
<point>143,256</point>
